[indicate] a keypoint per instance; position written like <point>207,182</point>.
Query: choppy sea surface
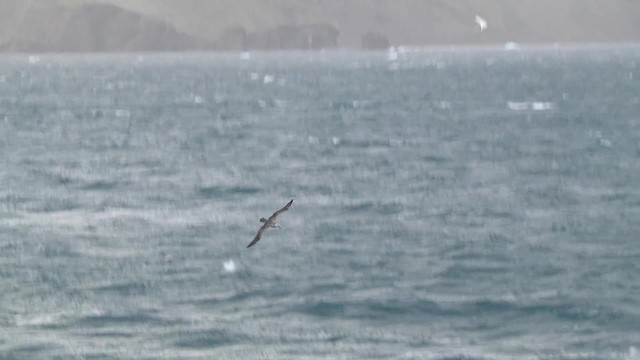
<point>466,204</point>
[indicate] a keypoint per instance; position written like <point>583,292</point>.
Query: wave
<point>435,159</point>
<point>125,289</point>
<point>462,357</point>
<point>211,192</point>
<point>374,207</point>
<point>62,178</point>
<point>54,204</point>
<point>30,351</point>
<point>110,319</point>
<point>211,338</point>
<point>100,185</point>
<point>422,310</point>
<point>240,297</point>
<point>372,309</point>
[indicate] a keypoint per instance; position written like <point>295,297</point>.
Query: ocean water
<point>466,204</point>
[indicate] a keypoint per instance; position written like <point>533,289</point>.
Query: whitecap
<point>511,46</point>
<point>595,133</point>
<point>517,106</point>
<point>606,143</point>
<point>392,55</point>
<point>229,266</point>
<point>542,106</point>
<point>122,113</point>
<point>396,142</point>
<point>38,320</point>
<point>445,105</point>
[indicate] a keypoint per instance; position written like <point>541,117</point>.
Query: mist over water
<point>468,204</point>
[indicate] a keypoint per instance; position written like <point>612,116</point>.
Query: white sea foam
<point>445,105</point>
<point>517,106</point>
<point>121,113</point>
<point>606,143</point>
<point>268,79</point>
<point>535,105</point>
<point>229,266</point>
<point>36,320</point>
<point>396,142</point>
<point>511,46</point>
<point>541,106</point>
<point>392,55</point>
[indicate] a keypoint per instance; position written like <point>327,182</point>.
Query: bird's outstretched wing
<point>268,223</point>
<point>285,208</point>
<point>258,235</point>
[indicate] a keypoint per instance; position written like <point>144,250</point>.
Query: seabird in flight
<point>482,23</point>
<point>269,223</point>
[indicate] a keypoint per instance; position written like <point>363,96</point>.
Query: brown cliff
<point>95,27</point>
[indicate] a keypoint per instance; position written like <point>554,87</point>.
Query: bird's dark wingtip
<point>253,242</point>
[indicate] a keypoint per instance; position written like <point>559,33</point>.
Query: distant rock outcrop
<point>233,39</point>
<point>285,37</point>
<point>373,40</point>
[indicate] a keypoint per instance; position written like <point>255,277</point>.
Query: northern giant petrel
<point>269,223</point>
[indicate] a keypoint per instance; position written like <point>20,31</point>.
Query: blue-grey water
<point>467,204</point>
